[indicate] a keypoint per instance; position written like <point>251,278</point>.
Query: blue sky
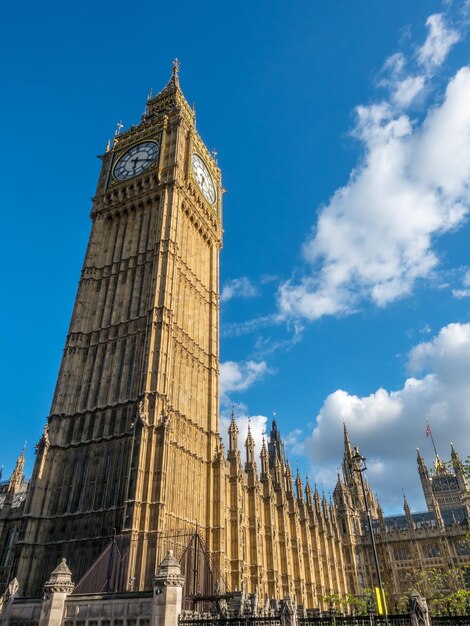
<point>342,131</point>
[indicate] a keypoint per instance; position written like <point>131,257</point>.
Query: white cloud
<point>374,239</point>
<point>268,345</point>
<point>447,355</point>
<point>464,292</point>
<point>403,87</point>
<point>238,329</point>
<point>389,425</point>
<point>438,43</point>
<point>407,89</point>
<point>238,288</point>
<point>395,64</point>
<point>461,293</point>
<point>295,442</point>
<point>442,152</point>
<point>239,376</point>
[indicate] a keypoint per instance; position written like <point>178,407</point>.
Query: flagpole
<point>432,438</point>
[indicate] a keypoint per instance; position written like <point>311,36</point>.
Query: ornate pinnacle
<point>60,580</point>
<point>249,437</point>
<point>347,442</point>
<point>176,67</point>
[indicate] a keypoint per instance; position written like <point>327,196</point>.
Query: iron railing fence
<point>231,621</point>
<point>450,620</point>
<point>356,620</point>
<point>325,620</point>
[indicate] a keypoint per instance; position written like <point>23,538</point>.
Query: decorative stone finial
<point>169,572</point>
<point>60,580</point>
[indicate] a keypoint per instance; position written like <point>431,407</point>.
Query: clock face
<point>136,160</point>
<point>203,178</point>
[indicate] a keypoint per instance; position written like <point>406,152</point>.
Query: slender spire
<point>456,462</point>
<point>249,437</point>
<point>420,460</point>
<point>324,503</point>
<point>299,486</point>
<point>347,442</point>
<point>168,100</point>
<point>308,493</point>
<point>17,475</point>
<point>233,432</point>
<point>317,500</point>
<point>176,69</point>
<point>339,492</point>
<point>264,457</point>
<point>174,81</point>
<point>250,447</point>
<point>425,479</point>
<point>458,469</point>
<point>288,478</point>
<point>408,515</point>
<point>275,444</point>
<point>332,510</point>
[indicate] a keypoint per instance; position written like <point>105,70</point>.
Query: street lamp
<point>360,466</point>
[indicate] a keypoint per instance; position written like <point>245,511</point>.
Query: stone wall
<point>58,606</point>
<point>126,609</point>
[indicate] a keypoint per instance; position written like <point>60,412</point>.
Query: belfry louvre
<point>131,455</point>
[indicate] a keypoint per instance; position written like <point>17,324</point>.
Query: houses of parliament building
<point>131,455</point>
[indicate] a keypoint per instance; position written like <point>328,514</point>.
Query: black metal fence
<point>451,620</point>
<point>356,620</point>
<point>326,620</point>
<point>249,620</point>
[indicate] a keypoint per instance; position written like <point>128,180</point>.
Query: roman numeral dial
<point>136,160</point>
<point>203,178</point>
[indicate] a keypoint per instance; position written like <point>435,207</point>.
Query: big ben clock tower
<point>133,427</point>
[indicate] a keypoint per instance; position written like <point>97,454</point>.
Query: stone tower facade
<point>280,537</point>
<point>131,448</point>
<point>133,425</point>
